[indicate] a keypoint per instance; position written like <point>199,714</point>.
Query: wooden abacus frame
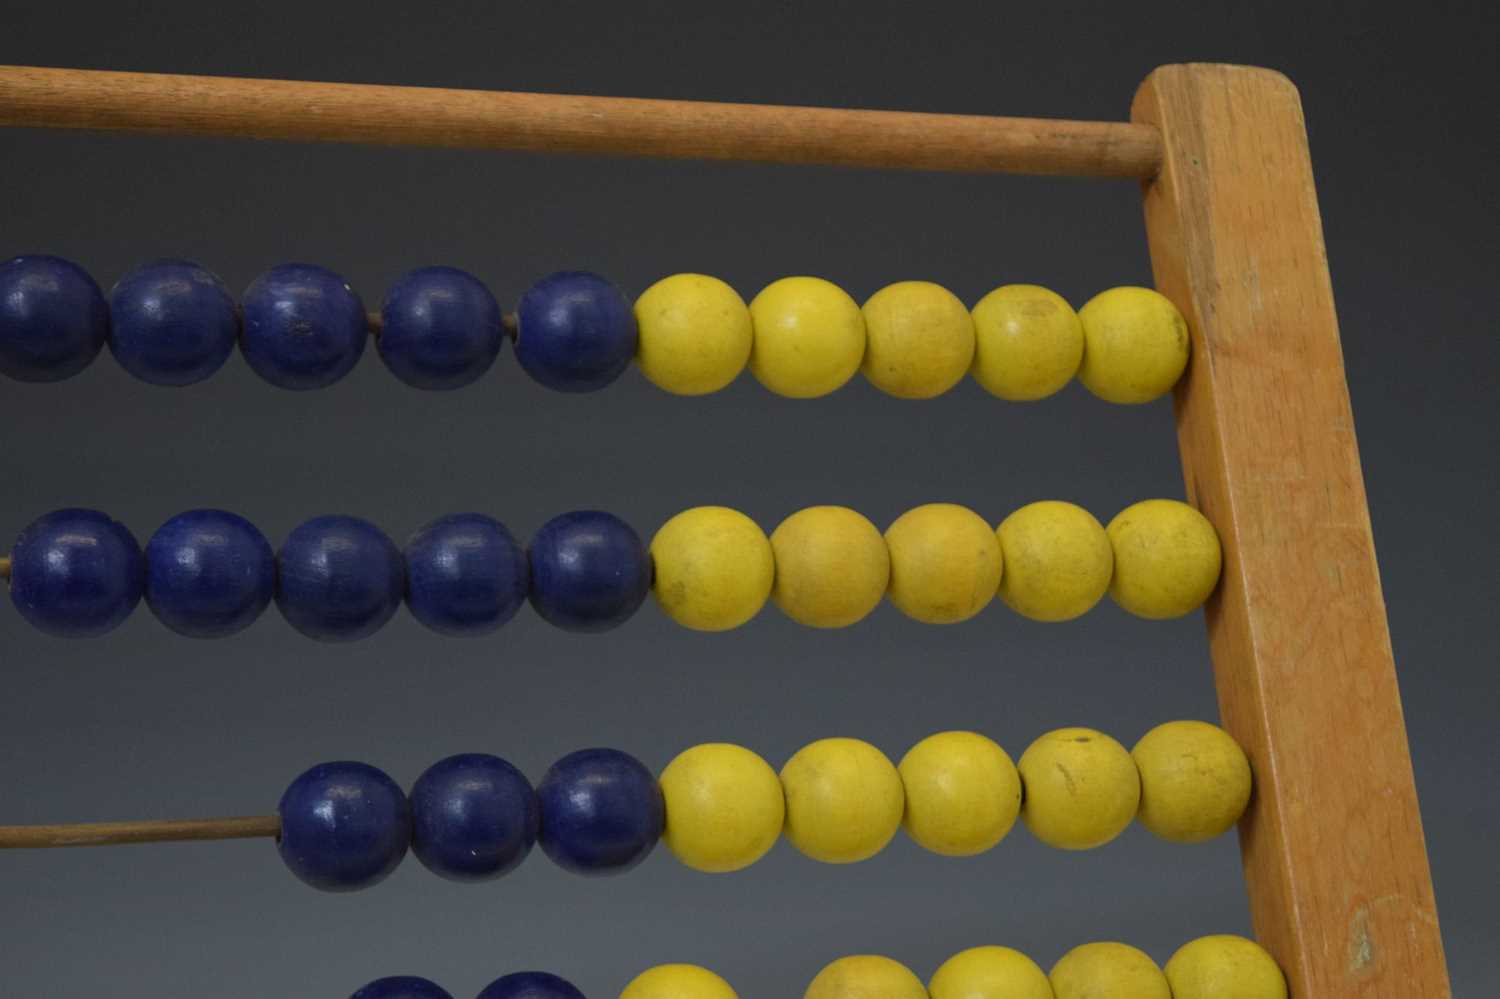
<point>1333,849</point>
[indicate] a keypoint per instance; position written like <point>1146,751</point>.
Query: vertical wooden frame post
<point>1334,857</point>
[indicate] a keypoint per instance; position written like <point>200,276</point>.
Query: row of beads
<point>720,807</point>
<point>302,327</point>
<point>208,573</point>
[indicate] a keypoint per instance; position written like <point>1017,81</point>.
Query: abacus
<point>1275,541</point>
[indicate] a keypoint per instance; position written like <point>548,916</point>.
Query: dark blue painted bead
<point>76,573</point>
<point>465,574</point>
<point>589,571</point>
<point>171,323</point>
<point>304,326</point>
<point>209,573</point>
<point>602,812</point>
<point>338,578</point>
<point>344,826</point>
<point>402,987</point>
<point>530,985</point>
<point>440,328</point>
<point>575,333</point>
<point>53,319</point>
<point>474,817</point>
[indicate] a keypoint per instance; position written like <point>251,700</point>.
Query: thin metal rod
<point>115,833</point>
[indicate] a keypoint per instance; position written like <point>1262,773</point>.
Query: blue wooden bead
<point>338,578</point>
<point>474,817</point>
<point>465,574</point>
<point>602,812</point>
<point>402,987</point>
<point>304,327</point>
<point>209,573</point>
<point>53,319</point>
<point>76,573</point>
<point>575,332</point>
<point>344,826</point>
<point>530,985</point>
<point>171,323</point>
<point>440,328</point>
<point>589,571</point>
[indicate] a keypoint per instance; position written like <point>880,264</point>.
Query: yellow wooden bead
<point>678,981</point>
<point>1058,561</point>
<point>1028,342</point>
<point>714,568</point>
<point>844,800</point>
<point>725,807</point>
<point>1082,788</point>
<point>1224,967</point>
<point>832,566</point>
<point>1195,781</point>
<point>989,973</point>
<point>809,337</point>
<point>1167,558</point>
<point>1135,345</point>
<point>962,793</point>
<point>919,340</point>
<point>1113,970</point>
<point>945,563</point>
<point>695,334</point>
<point>865,976</point>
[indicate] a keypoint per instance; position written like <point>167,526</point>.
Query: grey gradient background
<point>145,724</point>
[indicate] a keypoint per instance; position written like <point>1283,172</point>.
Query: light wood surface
<point>115,833</point>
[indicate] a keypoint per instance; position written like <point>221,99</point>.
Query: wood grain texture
<point>341,112</point>
<point>115,833</point>
<point>1334,856</point>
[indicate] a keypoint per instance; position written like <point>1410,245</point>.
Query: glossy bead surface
<point>832,566</point>
<point>209,573</point>
<point>76,573</point>
<point>1058,561</point>
<point>344,826</point>
<point>304,327</point>
<point>530,985</point>
<point>945,563</point>
<point>713,568</point>
<point>1167,559</point>
<point>474,817</point>
<point>53,319</point>
<point>1108,969</point>
<point>172,323</point>
<point>1028,342</point>
<point>465,574</point>
<point>989,972</point>
<point>725,807</point>
<point>440,328</point>
<point>402,987</point>
<point>575,332</point>
<point>678,981</point>
<point>1135,345</point>
<point>1082,788</point>
<point>602,812</point>
<point>865,976</point>
<point>338,578</point>
<point>919,340</point>
<point>962,793</point>
<point>844,800</point>
<point>589,571</point>
<point>1195,781</point>
<point>695,334</point>
<point>809,337</point>
<point>1224,966</point>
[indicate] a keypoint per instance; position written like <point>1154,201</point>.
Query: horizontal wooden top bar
<point>115,833</point>
<point>34,97</point>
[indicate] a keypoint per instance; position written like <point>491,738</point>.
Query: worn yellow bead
<point>1082,788</point>
<point>844,800</point>
<point>1224,967</point>
<point>1028,342</point>
<point>1058,561</point>
<point>832,566</point>
<point>945,563</point>
<point>989,973</point>
<point>695,334</point>
<point>678,981</point>
<point>1167,558</point>
<point>809,337</point>
<point>1135,345</point>
<point>919,340</point>
<point>1114,970</point>
<point>725,807</point>
<point>865,976</point>
<point>714,568</point>
<point>1195,781</point>
<point>962,793</point>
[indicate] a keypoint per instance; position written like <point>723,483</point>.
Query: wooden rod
<point>115,833</point>
<point>35,97</point>
<point>5,567</point>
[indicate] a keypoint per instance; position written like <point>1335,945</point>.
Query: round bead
<point>1135,345</point>
<point>1028,342</point>
<point>76,573</point>
<point>474,817</point>
<point>338,579</point>
<point>209,573</point>
<point>602,812</point>
<point>465,574</point>
<point>865,976</point>
<point>530,985</point>
<point>962,793</point>
<point>714,568</point>
<point>53,319</point>
<point>589,571</point>
<point>678,981</point>
<point>304,327</point>
<point>1107,969</point>
<point>1167,559</point>
<point>575,332</point>
<point>440,328</point>
<point>844,800</point>
<point>1081,788</point>
<point>1195,781</point>
<point>725,807</point>
<point>695,334</point>
<point>1224,967</point>
<point>919,340</point>
<point>989,973</point>
<point>402,987</point>
<point>809,337</point>
<point>172,323</point>
<point>1058,561</point>
<point>832,566</point>
<point>344,826</point>
<point>945,563</point>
